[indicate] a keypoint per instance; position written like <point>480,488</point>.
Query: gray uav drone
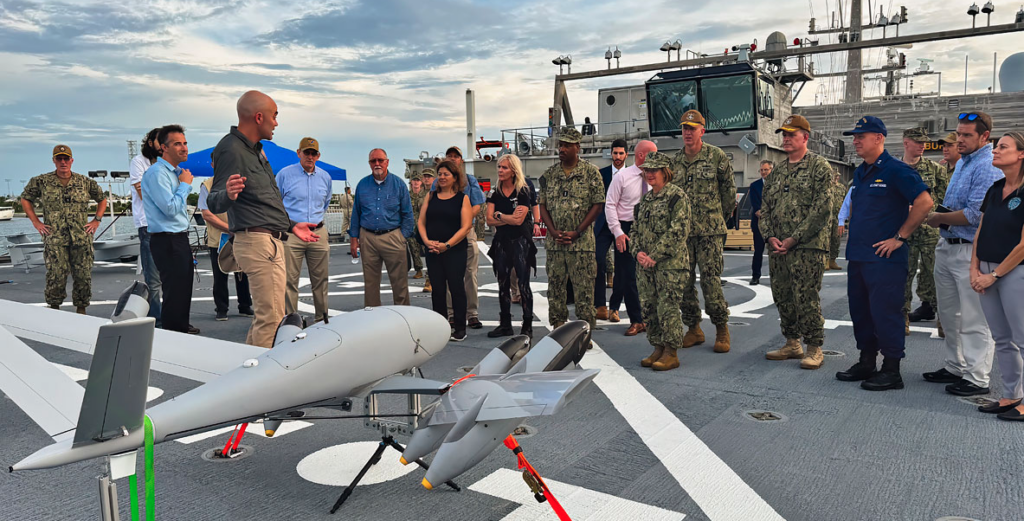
<point>364,352</point>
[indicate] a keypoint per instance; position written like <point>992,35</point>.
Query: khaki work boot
<point>833,266</point>
<point>693,336</point>
<point>669,360</point>
<point>722,342</point>
<point>792,349</point>
<point>54,306</point>
<point>558,325</point>
<point>611,280</point>
<point>813,359</point>
<point>80,310</point>
<point>418,275</point>
<point>942,334</point>
<point>655,356</point>
<point>613,316</point>
<point>602,312</point>
<point>906,325</point>
<point>426,287</point>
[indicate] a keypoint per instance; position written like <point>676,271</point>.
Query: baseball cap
<point>569,134</point>
<point>62,150</point>
<point>868,124</point>
<point>416,176</point>
<point>454,148</point>
<point>917,134</point>
<point>949,139</point>
<point>692,118</point>
<point>308,143</point>
<point>794,123</point>
<point>656,160</point>
<point>428,172</point>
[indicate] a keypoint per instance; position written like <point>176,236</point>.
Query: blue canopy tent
<point>279,157</point>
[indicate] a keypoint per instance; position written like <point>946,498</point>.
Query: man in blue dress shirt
<point>969,344</point>
<point>381,221</point>
<point>756,195</point>
<point>880,223</point>
<point>164,191</point>
<point>306,193</point>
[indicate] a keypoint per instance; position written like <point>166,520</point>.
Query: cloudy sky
<point>357,74</point>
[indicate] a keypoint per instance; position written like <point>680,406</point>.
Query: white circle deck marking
<point>337,466</point>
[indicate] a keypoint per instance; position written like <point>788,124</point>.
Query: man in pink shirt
<point>624,193</point>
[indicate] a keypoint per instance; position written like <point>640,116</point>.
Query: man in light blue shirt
<point>164,191</point>
<point>381,221</point>
<point>969,345</point>
<point>306,193</point>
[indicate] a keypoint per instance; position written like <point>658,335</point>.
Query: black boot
<point>923,312</point>
<point>527,330</point>
<point>886,379</point>
<point>862,370</point>
<point>502,330</point>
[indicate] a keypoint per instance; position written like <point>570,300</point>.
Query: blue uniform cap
<point>868,124</point>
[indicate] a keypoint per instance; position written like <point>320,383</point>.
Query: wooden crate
<point>742,239</point>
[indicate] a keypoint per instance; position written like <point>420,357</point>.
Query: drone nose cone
<point>402,460</point>
<point>427,485</point>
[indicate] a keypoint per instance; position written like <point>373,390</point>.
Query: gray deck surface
<point>839,453</point>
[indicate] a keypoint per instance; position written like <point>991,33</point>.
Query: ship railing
<point>540,141</point>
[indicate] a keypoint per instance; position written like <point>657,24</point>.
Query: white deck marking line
<point>581,504</point>
<point>714,486</point>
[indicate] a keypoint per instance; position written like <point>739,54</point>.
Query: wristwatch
<point>900,237</point>
<point>447,246</point>
<point>996,275</point>
<point>497,215</point>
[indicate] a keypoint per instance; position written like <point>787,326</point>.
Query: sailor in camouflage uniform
<point>923,241</point>
<point>661,223</point>
<point>571,195</point>
<point>835,238</point>
<point>345,202</point>
<point>67,239</point>
<point>795,219</point>
<point>428,183</point>
<point>704,172</point>
<point>416,196</point>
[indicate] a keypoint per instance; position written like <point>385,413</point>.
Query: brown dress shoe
<point>635,329</point>
<point>655,356</point>
<point>669,360</point>
<point>722,342</point>
<point>693,336</point>
<point>613,316</point>
<point>602,313</point>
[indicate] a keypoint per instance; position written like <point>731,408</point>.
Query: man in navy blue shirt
<point>756,195</point>
<point>381,221</point>
<point>880,223</point>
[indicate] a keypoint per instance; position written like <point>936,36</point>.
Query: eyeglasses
<point>310,152</point>
<point>372,161</point>
<point>61,159</point>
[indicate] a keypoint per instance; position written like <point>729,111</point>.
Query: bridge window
<point>668,102</point>
<point>728,102</point>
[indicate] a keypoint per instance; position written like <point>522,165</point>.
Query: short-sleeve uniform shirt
<point>879,206</point>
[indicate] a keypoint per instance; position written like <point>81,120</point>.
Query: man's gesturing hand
<point>235,185</point>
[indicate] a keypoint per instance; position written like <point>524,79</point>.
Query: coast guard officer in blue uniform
<point>880,222</point>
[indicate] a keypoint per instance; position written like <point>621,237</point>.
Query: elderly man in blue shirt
<point>164,191</point>
<point>884,188</point>
<point>381,221</point>
<point>476,198</point>
<point>306,194</point>
<point>969,344</point>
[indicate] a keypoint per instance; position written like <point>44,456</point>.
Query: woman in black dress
<point>444,221</point>
<point>508,211</point>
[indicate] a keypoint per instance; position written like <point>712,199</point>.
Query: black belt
<point>281,236</point>
<point>957,241</point>
<point>169,233</point>
<point>317,227</point>
<point>381,232</point>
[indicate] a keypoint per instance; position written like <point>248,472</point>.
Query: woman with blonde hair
<point>509,212</point>
<point>996,272</point>
<point>444,222</point>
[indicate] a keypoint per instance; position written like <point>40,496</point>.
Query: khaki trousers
<point>472,267</point>
<point>261,258</point>
<point>388,250</point>
<point>317,254</point>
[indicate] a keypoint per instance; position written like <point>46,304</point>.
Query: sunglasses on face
<point>61,159</point>
<point>310,152</point>
<point>372,161</point>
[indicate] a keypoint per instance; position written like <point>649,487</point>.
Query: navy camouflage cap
<point>917,134</point>
<point>416,176</point>
<point>656,160</point>
<point>569,134</point>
